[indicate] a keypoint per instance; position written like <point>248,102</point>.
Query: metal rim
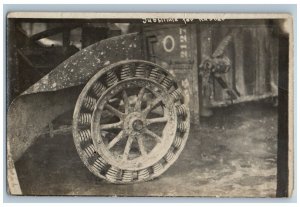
<point>133,95</point>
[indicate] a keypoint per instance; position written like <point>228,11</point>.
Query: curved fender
<point>34,109</point>
<point>80,67</point>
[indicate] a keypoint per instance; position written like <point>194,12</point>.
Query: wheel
<point>130,122</point>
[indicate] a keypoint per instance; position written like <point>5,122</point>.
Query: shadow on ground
<point>232,153</point>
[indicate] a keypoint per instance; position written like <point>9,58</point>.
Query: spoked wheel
<point>130,122</point>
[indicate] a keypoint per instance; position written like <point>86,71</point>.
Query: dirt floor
<point>232,153</point>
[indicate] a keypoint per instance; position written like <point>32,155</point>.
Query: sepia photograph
<point>149,104</point>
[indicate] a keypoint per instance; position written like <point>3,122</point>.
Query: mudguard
<point>57,92</point>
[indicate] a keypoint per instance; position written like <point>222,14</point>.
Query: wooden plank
<point>249,59</point>
<point>261,65</point>
<point>204,51</point>
<point>229,76</point>
<point>195,75</point>
<point>218,35</point>
<point>238,40</point>
<point>273,48</point>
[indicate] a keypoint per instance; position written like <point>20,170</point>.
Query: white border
<point>278,201</point>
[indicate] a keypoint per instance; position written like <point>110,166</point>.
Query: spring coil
<point>140,71</point>
<point>182,126</point>
<point>89,103</point>
<point>99,163</point>
<point>84,144</point>
<point>111,78</point>
<point>125,72</point>
<point>169,156</point>
<point>155,74</point>
<point>85,135</point>
<point>127,176</point>
<point>98,88</point>
<point>92,159</point>
<point>176,94</point>
<point>143,174</point>
<point>177,142</point>
<point>85,118</point>
<point>167,83</point>
<point>157,168</point>
<point>181,110</point>
<point>94,168</point>
<point>112,174</point>
<point>90,150</point>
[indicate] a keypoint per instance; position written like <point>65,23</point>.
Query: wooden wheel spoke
<point>141,146</point>
<point>115,140</point>
<point>127,148</point>
<point>117,125</point>
<point>126,101</point>
<point>114,111</point>
<point>138,103</point>
<point>156,120</point>
<point>152,134</point>
<point>153,104</point>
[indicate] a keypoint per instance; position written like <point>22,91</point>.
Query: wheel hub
<point>138,125</point>
<point>134,123</point>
